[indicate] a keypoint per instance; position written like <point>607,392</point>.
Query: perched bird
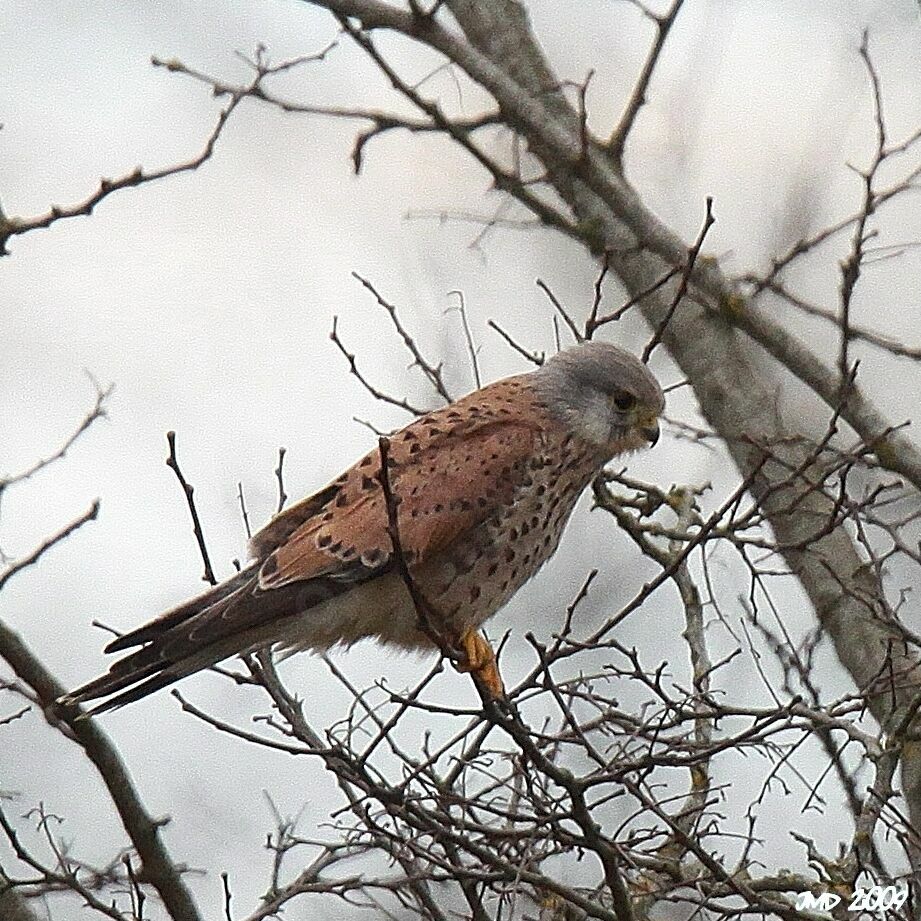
<point>480,493</point>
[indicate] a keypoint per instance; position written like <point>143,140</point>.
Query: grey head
<point>605,395</point>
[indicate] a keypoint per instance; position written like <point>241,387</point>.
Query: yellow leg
<point>480,660</point>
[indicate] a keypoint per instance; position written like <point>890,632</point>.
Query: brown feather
<point>180,613</point>
<point>243,619</point>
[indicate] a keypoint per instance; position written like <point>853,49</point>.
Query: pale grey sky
<point>207,300</point>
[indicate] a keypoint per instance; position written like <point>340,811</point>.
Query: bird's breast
<point>475,577</point>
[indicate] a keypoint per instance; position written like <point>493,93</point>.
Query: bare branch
<point>144,831</point>
<point>97,411</point>
<point>353,369</point>
<point>534,358</point>
<point>431,372</point>
<point>560,309</point>
<point>35,555</point>
<point>887,343</point>
<point>280,477</point>
<point>188,490</point>
<point>637,100</point>
<point>243,511</point>
<point>16,226</point>
<point>693,253</point>
<point>468,338</point>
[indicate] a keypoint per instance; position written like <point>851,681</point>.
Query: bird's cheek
<point>624,438</point>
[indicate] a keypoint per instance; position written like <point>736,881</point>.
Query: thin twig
<point>851,266</point>
<point>638,97</point>
<point>353,369</point>
<point>280,478</point>
<point>631,302</point>
<point>243,512</point>
<point>97,411</point>
<point>424,613</point>
<point>693,253</point>
<point>15,226</point>
<point>561,310</point>
<point>591,324</point>
<point>468,338</point>
<point>432,372</point>
<point>189,491</point>
<point>535,358</point>
<point>35,555</point>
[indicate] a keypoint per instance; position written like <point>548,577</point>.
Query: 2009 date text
<point>875,898</point>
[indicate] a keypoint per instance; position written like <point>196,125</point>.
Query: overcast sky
<point>207,300</point>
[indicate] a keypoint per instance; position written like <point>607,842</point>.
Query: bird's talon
<point>480,660</point>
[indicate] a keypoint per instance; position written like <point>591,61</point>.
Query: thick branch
<point>144,831</point>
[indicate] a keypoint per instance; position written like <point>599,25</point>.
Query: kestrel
<point>481,491</point>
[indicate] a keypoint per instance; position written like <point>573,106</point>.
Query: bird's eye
<point>624,400</point>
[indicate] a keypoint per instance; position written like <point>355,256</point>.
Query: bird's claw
<point>480,660</point>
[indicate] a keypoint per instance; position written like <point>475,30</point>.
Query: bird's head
<point>605,395</point>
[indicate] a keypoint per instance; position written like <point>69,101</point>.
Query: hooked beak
<point>650,433</point>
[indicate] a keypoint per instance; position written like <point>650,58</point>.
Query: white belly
<point>380,608</point>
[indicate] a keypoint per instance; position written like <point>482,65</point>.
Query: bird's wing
<point>445,480</point>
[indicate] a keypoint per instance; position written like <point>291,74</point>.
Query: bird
<point>471,501</point>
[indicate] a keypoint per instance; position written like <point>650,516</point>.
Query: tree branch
<point>144,831</point>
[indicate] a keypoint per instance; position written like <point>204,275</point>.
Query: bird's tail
<point>161,660</point>
<point>231,618</point>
